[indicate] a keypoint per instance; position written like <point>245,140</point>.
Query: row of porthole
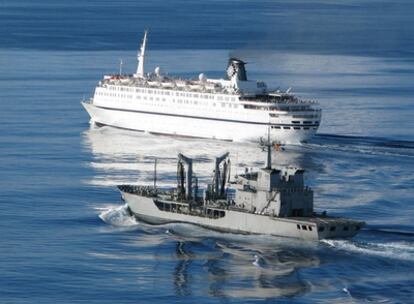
<point>333,228</point>
<point>295,128</point>
<point>163,99</point>
<point>304,227</point>
<point>182,94</point>
<point>297,122</point>
<point>165,92</point>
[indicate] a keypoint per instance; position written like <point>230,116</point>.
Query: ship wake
<point>118,216</point>
<point>400,250</point>
<point>363,145</point>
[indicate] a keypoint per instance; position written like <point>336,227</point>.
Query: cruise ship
<point>233,109</point>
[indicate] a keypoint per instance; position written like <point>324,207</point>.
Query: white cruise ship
<point>233,109</point>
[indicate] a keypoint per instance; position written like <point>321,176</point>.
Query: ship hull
<point>145,209</point>
<point>200,127</point>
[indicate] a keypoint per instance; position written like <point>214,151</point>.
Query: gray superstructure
<point>269,201</point>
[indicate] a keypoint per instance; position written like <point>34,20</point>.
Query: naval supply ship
<point>227,109</point>
<point>270,201</point>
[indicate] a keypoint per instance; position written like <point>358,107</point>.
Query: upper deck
<point>206,86</point>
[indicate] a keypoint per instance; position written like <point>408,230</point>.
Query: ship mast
<point>267,147</point>
<point>140,57</point>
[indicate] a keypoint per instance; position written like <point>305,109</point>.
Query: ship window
<point>296,128</point>
<point>310,228</point>
<point>298,226</point>
<point>315,128</point>
<point>357,228</point>
<point>346,228</point>
<point>307,122</point>
<point>303,116</point>
<point>321,229</point>
<point>286,128</point>
<point>295,121</point>
<point>333,228</point>
<point>304,227</point>
<point>305,128</point>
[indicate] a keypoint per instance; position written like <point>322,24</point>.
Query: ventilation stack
<point>236,69</point>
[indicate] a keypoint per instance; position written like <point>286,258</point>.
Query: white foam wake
<point>395,250</point>
<point>118,216</point>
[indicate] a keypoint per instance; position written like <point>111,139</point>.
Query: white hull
<point>190,126</point>
<point>145,209</point>
<point>228,109</point>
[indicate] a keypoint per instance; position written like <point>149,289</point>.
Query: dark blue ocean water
<point>65,234</point>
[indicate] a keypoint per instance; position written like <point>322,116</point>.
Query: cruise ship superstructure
<point>227,109</point>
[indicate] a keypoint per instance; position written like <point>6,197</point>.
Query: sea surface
<point>66,236</point>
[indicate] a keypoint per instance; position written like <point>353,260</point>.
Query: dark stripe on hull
<point>206,118</point>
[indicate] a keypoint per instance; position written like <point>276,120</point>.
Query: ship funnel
<point>235,69</point>
<point>141,56</point>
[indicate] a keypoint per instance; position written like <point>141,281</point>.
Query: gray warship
<point>270,201</point>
